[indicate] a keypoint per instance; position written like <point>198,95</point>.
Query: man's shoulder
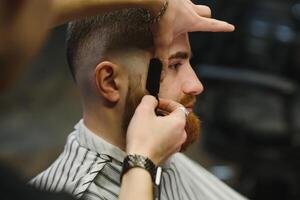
<point>197,178</point>
<point>185,165</point>
<point>182,161</point>
<point>70,170</point>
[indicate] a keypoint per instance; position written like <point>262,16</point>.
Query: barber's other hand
<point>183,16</point>
<point>156,137</point>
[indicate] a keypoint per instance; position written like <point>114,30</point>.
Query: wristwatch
<point>133,160</point>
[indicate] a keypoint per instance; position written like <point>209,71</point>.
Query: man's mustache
<point>188,100</point>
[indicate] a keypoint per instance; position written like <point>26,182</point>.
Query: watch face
<point>132,161</point>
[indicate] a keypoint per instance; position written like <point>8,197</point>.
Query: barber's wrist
<point>137,172</point>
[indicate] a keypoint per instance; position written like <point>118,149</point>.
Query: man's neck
<point>107,127</point>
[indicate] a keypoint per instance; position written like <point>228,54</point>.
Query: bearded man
<point>109,58</point>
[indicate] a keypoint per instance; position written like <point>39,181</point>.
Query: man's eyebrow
<point>180,55</point>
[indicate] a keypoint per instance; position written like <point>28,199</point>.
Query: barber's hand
<point>184,16</point>
<point>154,136</point>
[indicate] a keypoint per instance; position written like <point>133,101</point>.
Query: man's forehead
<point>180,48</point>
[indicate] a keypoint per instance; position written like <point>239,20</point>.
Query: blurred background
<point>250,109</point>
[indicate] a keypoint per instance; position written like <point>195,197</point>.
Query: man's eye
<point>175,66</point>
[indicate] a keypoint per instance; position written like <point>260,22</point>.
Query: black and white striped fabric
<point>90,168</point>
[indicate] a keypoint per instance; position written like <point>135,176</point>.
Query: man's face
<point>179,83</point>
<point>179,79</point>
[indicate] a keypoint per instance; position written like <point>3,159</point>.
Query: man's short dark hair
<point>90,39</point>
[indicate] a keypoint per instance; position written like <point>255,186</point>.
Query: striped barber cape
<point>90,168</point>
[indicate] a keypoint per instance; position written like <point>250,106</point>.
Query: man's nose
<point>192,84</point>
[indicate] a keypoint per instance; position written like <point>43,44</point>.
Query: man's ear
<point>106,81</point>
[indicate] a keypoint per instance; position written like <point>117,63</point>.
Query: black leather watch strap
<point>132,161</point>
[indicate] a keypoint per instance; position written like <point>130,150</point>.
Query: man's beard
<point>133,99</point>
<point>193,123</point>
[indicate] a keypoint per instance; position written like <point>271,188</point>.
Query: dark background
<point>250,108</point>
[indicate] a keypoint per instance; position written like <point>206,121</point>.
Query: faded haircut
<point>91,39</point>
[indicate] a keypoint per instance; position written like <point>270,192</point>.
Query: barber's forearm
<point>136,185</point>
<point>66,10</point>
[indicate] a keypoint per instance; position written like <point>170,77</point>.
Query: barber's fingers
<point>203,11</point>
<point>181,141</point>
<point>204,24</point>
<point>175,109</point>
<point>180,114</point>
<point>168,105</point>
<point>147,105</point>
